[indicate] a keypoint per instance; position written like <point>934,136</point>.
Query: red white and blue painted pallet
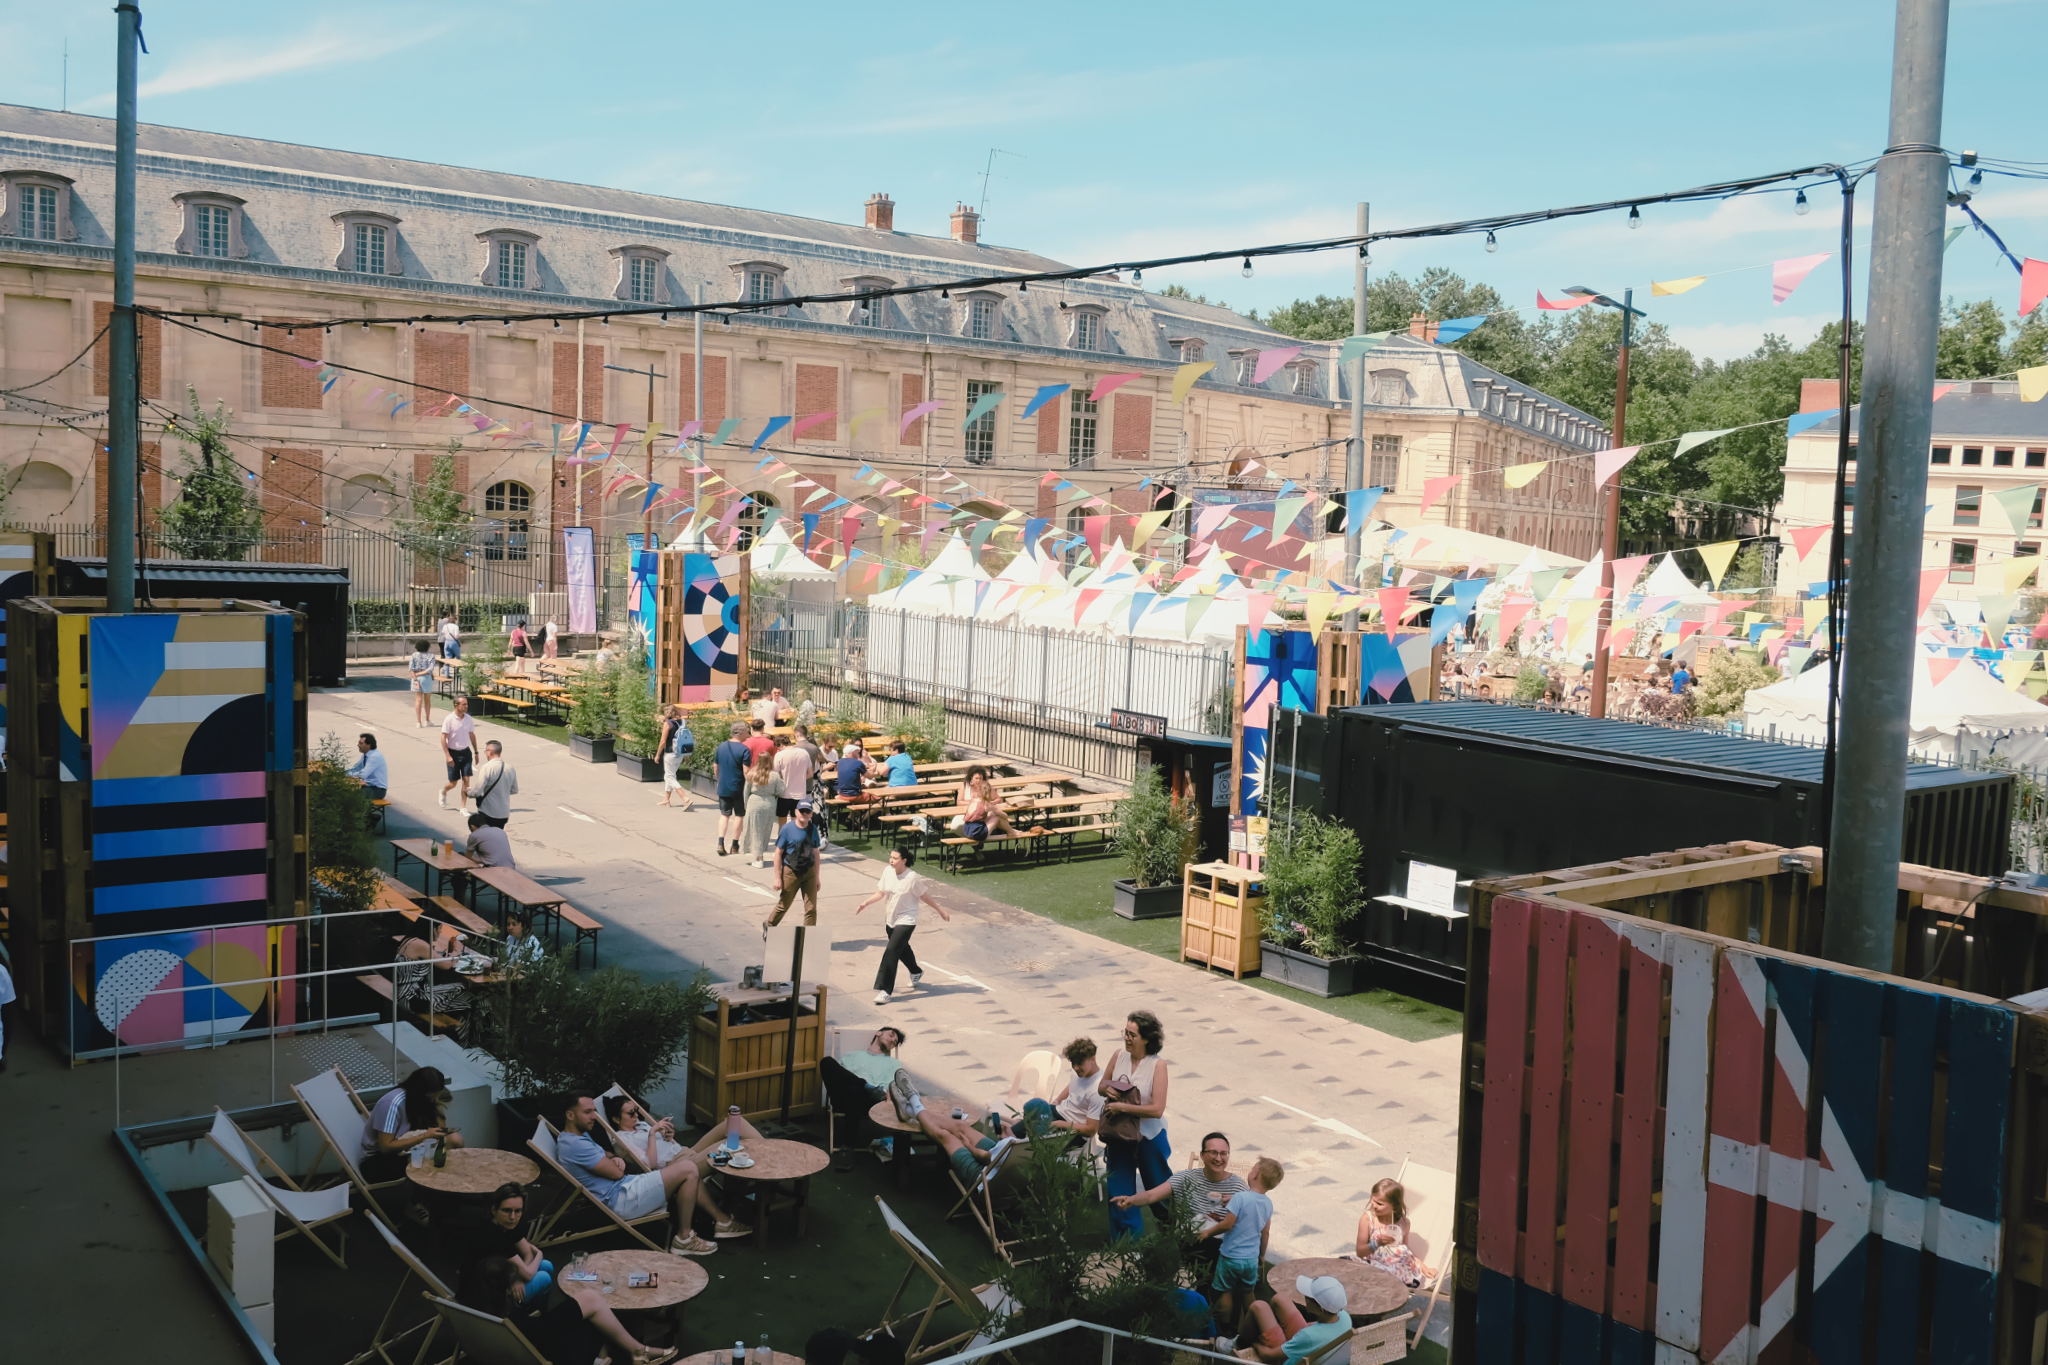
<point>1707,1195</point>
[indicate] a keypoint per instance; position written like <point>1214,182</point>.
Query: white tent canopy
<point>1669,581</point>
<point>929,592</point>
<point>777,556</point>
<point>1967,712</point>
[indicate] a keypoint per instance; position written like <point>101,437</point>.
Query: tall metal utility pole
<point>123,397</point>
<point>1610,527</point>
<point>1867,825</point>
<point>647,513</point>
<point>1354,451</point>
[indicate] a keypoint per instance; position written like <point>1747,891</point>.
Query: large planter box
<point>704,785</point>
<point>1324,976</point>
<point>639,769</point>
<point>734,1062</point>
<point>1132,901</point>
<point>597,750</point>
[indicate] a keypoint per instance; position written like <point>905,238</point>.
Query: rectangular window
<point>981,319</point>
<point>642,275</point>
<point>2036,458</point>
<point>210,227</point>
<point>1081,429</point>
<point>1386,462</point>
<point>1852,454</point>
<point>1304,379</point>
<point>511,265</point>
<point>1940,455</point>
<point>980,436</point>
<point>1390,388</point>
<point>2034,517</point>
<point>1973,455</point>
<point>1962,561</point>
<point>1084,331</point>
<point>1190,352</point>
<point>1969,505</point>
<point>1247,366</point>
<point>369,249</point>
<point>2002,457</point>
<point>760,286</point>
<point>867,313</point>
<point>38,212</point>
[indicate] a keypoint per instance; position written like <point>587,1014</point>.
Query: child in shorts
<point>1245,1228</point>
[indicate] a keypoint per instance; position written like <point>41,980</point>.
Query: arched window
<point>364,497</point>
<point>1072,552</point>
<point>507,506</point>
<point>752,516</point>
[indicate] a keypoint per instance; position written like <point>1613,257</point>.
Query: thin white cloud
<point>327,43</point>
<point>1731,340</point>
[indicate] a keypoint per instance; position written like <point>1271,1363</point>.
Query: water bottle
<point>739,1353</point>
<point>732,1129</point>
<point>762,1355</point>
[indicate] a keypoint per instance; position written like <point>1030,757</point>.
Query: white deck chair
<point>339,1114</point>
<point>837,1041</point>
<point>485,1339</point>
<point>433,1288</point>
<point>543,1144</point>
<point>1431,1203</point>
<point>306,1209</point>
<point>978,1198</point>
<point>979,1303</point>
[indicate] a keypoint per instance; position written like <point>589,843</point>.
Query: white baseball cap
<point>1326,1290</point>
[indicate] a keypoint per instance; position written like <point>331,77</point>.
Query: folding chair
<point>979,1303</point>
<point>483,1338</point>
<point>307,1209</point>
<point>978,1198</point>
<point>543,1144</point>
<point>380,1344</point>
<point>836,1040</point>
<point>337,1111</point>
<point>1431,1202</point>
<point>1376,1343</point>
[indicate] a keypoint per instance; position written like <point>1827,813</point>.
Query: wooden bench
<point>1100,825</point>
<point>587,930</point>
<point>379,985</point>
<point>509,701</point>
<point>461,914</point>
<point>950,849</point>
<point>378,806</point>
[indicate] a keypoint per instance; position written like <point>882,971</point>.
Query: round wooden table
<point>778,1161</point>
<point>725,1358</point>
<point>1371,1292</point>
<point>682,1279</point>
<point>883,1115</point>
<point>474,1170</point>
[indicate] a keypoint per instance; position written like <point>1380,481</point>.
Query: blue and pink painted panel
<point>1280,669</point>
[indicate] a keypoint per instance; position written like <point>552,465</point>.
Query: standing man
<point>731,760</point>
<point>796,866</point>
<point>793,766</point>
<point>456,748</point>
<point>419,670</point>
<point>1680,680</point>
<point>497,782</point>
<point>451,637</point>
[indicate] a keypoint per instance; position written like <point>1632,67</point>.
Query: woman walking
<point>676,741</point>
<point>904,890</point>
<point>764,788</point>
<point>420,669</point>
<point>520,647</point>
<point>1133,1129</point>
<point>547,639</point>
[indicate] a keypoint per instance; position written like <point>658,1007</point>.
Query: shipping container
<point>319,592</point>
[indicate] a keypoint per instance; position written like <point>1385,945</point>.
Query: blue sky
<point>1139,129</point>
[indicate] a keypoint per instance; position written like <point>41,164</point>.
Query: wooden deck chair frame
<point>1441,1227</point>
<point>979,1198</point>
<point>485,1339</point>
<point>433,1288</point>
<point>543,1231</point>
<point>835,1043</point>
<point>1376,1343</point>
<point>974,1301</point>
<point>252,1172</point>
<point>332,1141</point>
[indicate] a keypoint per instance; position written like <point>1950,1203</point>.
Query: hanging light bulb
<point>1023,286</point>
<point>945,293</point>
<point>1976,178</point>
<point>1491,245</point>
<point>1800,206</point>
<point>1137,277</point>
<point>1635,217</point>
<point>1247,271</point>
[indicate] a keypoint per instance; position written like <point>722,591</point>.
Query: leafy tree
<point>1726,679</point>
<point>1750,569</point>
<point>1968,345</point>
<point>436,525</point>
<point>1177,291</point>
<point>216,515</point>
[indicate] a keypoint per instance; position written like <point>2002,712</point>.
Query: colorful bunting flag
<point>2018,505</point>
<point>1358,504</point>
<point>1045,394</point>
<point>1432,489</point>
<point>1608,463</point>
<point>2033,384</point>
<point>1271,361</point>
<point>774,425</point>
<point>2019,569</point>
<point>922,409</point>
<point>1718,557</point>
<point>1564,305</point>
<point>1457,329</point>
<point>1697,438</point>
<point>1184,379</point>
<point>806,423</point>
<point>1804,538</point>
<point>1356,346</point>
<point>2033,285</point>
<point>981,405</point>
<point>1786,274</point>
<point>1109,384</point>
<point>1676,286</point>
<point>1801,421</point>
<point>1930,582</point>
<point>1522,475</point>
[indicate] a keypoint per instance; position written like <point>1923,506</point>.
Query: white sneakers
<point>917,978</point>
<point>692,1245</point>
<point>881,997</point>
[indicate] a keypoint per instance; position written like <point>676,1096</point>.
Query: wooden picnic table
<point>441,865</point>
<point>393,894</point>
<point>516,888</point>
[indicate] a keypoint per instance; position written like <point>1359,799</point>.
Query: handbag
<point>1121,1126</point>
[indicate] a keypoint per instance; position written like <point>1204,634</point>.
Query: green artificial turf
<point>1077,894</point>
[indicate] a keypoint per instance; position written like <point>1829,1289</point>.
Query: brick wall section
<point>1131,438</point>
<point>817,390</point>
<point>565,383</point>
<point>913,394</point>
<point>291,480</point>
<point>1048,501</point>
<point>1049,425</point>
<point>150,457</point>
<point>287,384</point>
<point>714,389</point>
<point>149,329</point>
<point>440,365</point>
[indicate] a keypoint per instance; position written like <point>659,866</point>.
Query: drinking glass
<point>604,1283</point>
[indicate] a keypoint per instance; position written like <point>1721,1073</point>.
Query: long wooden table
<point>516,888</point>
<point>434,866</point>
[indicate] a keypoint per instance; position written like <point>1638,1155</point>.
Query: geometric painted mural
<point>1279,670</point>
<point>162,988</point>
<point>711,643</point>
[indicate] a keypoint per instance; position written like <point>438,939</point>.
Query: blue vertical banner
<point>642,572</point>
<point>579,555</point>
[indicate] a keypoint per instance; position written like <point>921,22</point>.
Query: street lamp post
<point>1610,526</point>
<point>647,513</point>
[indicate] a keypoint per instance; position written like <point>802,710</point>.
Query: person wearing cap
<point>1287,1334</point>
<point>796,866</point>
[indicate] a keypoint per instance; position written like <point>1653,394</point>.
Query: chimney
<point>1818,395</point>
<point>881,213</point>
<point>966,225</point>
<point>1421,327</point>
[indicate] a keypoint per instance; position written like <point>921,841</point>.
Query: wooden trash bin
<point>741,1063</point>
<point>1219,921</point>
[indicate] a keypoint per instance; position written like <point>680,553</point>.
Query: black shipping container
<point>1491,790</point>
<point>319,592</point>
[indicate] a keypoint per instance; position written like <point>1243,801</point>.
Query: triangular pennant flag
<point>1432,489</point>
<point>810,529</point>
<point>1786,274</point>
<point>1930,583</point>
<point>1184,379</point>
<point>1198,607</point>
<point>1718,557</point>
<point>1271,361</point>
<point>981,405</point>
<point>775,424</point>
<point>1140,602</point>
<point>653,490</point>
<point>1044,395</point>
<point>1257,607</point>
<point>1357,346</point>
<point>1813,611</point>
<point>806,423</point>
<point>1938,670</point>
<point>2033,384</point>
<point>2018,506</point>
<point>726,431</point>
<point>922,409</point>
<point>1997,610</point>
<point>1626,571</point>
<point>1511,613</point>
<point>1563,305</point>
<point>1698,438</point>
<point>1109,384</point>
<point>1317,610</point>
<point>1796,659</point>
<point>1801,421</point>
<point>1804,538</point>
<point>1543,582</point>
<point>2019,570</point>
<point>1092,530</point>
<point>1522,475</point>
<point>2018,664</point>
<point>1147,525</point>
<point>1608,463</point>
<point>1677,286</point>
<point>1358,504</point>
<point>982,531</point>
<point>1392,600</point>
<point>1452,330</point>
<point>2033,285</point>
<point>1285,510</point>
<point>1687,628</point>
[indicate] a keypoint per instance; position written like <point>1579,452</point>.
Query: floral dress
<point>1394,1256</point>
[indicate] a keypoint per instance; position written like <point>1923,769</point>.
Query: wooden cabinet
<point>735,1062</point>
<point>1219,918</point>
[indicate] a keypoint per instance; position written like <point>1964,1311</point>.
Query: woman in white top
<point>420,670</point>
<point>904,890</point>
<point>547,638</point>
<point>1134,1082</point>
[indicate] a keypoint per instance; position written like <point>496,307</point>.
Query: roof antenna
<point>993,153</point>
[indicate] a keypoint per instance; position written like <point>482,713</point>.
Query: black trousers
<point>899,950</point>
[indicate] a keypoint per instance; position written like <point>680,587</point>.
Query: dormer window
<point>1189,349</point>
<point>1247,364</point>
<point>1304,376</point>
<point>511,259</point>
<point>369,243</point>
<point>1086,329</point>
<point>213,226</point>
<point>866,312</point>
<point>983,319</point>
<point>643,274</point>
<point>758,281</point>
<point>38,207</point>
<point>1390,388</point>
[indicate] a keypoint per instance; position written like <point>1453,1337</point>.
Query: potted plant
<point>1156,837</point>
<point>482,662</point>
<point>592,714</point>
<point>638,724</point>
<point>1312,868</point>
<point>709,729</point>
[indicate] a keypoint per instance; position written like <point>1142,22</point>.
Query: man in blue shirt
<point>902,772</point>
<point>731,760</point>
<point>630,1196</point>
<point>1287,1334</point>
<point>370,769</point>
<point>1680,680</point>
<point>796,866</point>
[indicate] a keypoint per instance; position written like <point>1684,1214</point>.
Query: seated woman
<point>1383,1235</point>
<point>653,1142</point>
<point>983,815</point>
<point>504,1235</point>
<point>570,1330</point>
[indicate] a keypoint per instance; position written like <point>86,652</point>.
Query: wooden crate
<point>734,1063</point>
<point>672,634</point>
<point>1219,924</point>
<point>1674,1142</point>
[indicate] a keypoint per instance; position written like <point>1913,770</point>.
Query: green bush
<point>556,1029</point>
<point>1313,869</point>
<point>849,711</point>
<point>924,733</point>
<point>638,721</point>
<point>1724,680</point>
<point>1529,683</point>
<point>342,854</point>
<point>592,705</point>
<point>1157,834</point>
<point>710,729</point>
